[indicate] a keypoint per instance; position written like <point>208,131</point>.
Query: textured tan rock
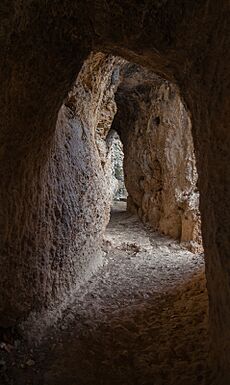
<point>59,245</point>
<point>43,46</point>
<point>159,163</point>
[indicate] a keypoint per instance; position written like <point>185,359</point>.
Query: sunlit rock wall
<point>43,45</point>
<point>159,162</point>
<point>116,153</point>
<point>62,205</point>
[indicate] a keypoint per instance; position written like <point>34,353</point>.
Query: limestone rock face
<point>75,193</point>
<point>43,46</point>
<point>159,163</point>
<point>117,183</point>
<point>105,110</point>
<point>59,245</point>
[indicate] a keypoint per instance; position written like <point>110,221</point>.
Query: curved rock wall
<point>43,45</point>
<point>53,240</point>
<point>159,162</point>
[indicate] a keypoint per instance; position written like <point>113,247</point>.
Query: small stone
<point>17,343</point>
<point>30,362</point>
<point>6,347</point>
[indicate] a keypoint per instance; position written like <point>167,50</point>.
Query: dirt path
<point>141,320</point>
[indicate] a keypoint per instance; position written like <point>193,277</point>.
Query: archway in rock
<point>117,183</point>
<point>48,44</point>
<point>159,164</point>
<point>150,293</point>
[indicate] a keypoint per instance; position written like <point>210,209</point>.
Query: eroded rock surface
<point>159,163</point>
<point>68,245</point>
<point>64,225</point>
<point>141,319</point>
<point>116,181</point>
<point>43,46</point>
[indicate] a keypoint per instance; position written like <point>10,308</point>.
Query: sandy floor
<point>142,319</point>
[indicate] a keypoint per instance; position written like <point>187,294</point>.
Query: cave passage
<point>157,73</point>
<point>117,178</point>
<point>141,315</point>
<point>141,319</point>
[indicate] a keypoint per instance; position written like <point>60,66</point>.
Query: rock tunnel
<point>157,73</point>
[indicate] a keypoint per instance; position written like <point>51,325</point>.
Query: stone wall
<point>75,196</point>
<point>159,163</point>
<point>43,46</point>
<point>63,205</point>
<point>116,181</point>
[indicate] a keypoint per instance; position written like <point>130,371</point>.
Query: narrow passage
<point>141,320</point>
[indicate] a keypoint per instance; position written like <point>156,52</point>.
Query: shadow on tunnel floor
<point>141,320</point>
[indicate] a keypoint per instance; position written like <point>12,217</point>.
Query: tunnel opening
<point>150,147</point>
<point>135,177</point>
<point>53,196</point>
<point>143,316</point>
<point>117,181</point>
<point>162,208</point>
<point>119,192</point>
